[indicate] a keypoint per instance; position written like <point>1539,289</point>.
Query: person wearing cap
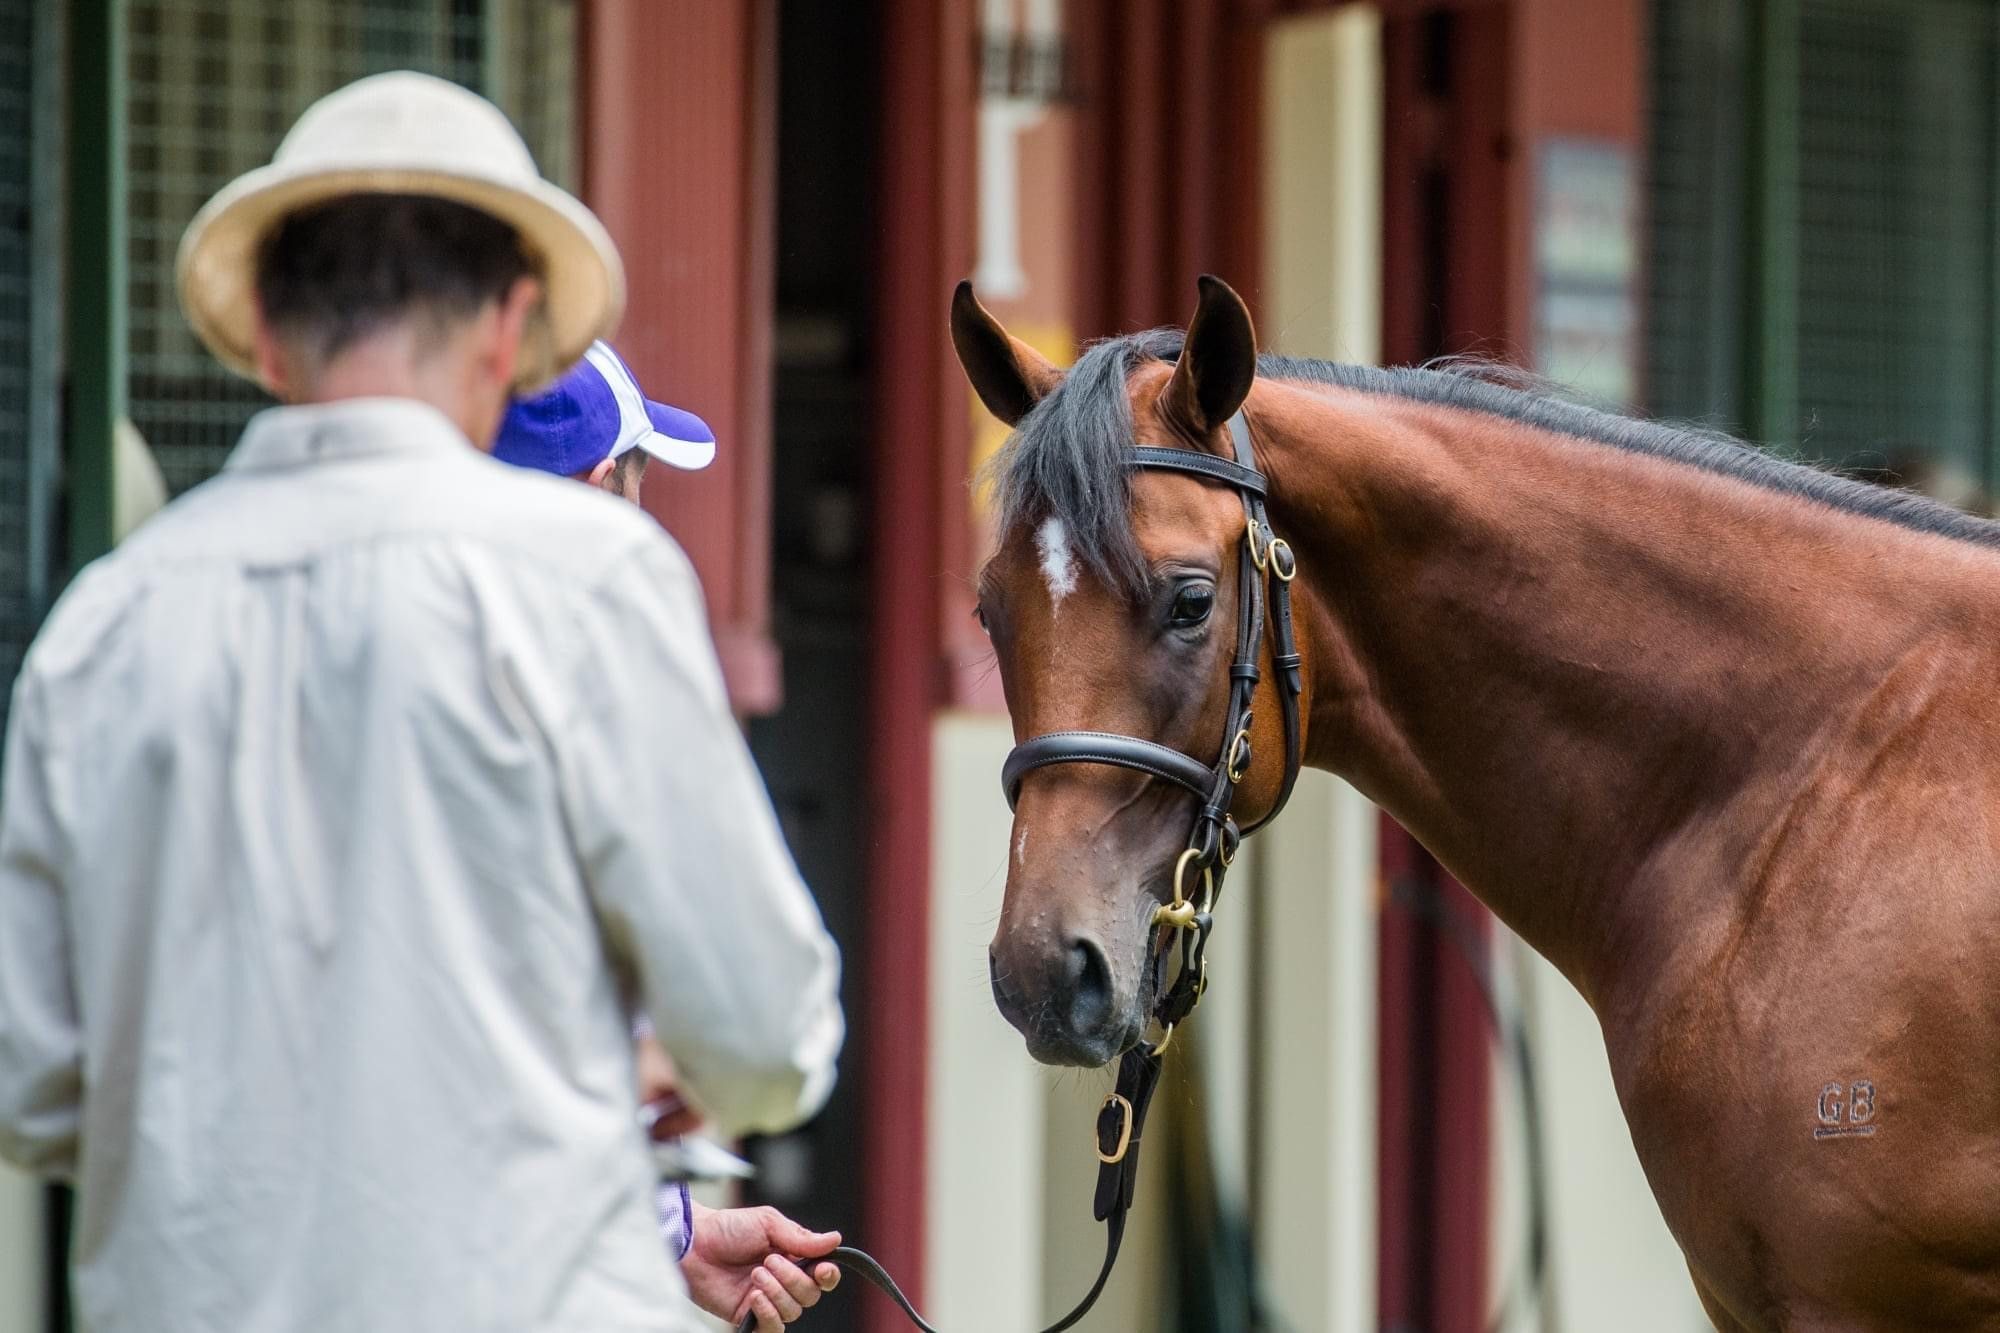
<point>597,426</point>
<point>594,424</point>
<point>351,803</point>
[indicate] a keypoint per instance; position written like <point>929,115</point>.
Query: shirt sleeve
<point>41,1041</point>
<point>676,1213</point>
<point>682,853</point>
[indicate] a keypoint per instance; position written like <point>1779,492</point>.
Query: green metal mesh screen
<point>17,610</point>
<point>1896,220</point>
<point>1695,212</point>
<point>214,84</point>
<point>1892,320</point>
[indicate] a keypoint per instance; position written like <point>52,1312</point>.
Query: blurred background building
<point>1778,216</point>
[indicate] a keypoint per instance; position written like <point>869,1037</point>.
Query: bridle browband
<point>1267,562</point>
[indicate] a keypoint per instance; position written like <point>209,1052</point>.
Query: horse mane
<point>1066,459</point>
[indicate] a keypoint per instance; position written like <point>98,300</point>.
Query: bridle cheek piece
<point>1212,843</point>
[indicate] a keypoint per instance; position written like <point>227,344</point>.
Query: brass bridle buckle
<point>1260,555</point>
<point>1124,1107</point>
<point>1287,568</point>
<point>1238,762</point>
<point>1180,914</point>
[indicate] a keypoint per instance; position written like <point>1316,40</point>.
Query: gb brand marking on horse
<point>1846,1112</point>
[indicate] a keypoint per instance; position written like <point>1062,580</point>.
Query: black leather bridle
<point>1264,579</point>
<point>1267,562</point>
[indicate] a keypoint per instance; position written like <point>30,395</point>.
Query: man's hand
<point>738,1266</point>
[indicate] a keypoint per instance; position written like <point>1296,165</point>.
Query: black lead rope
<point>1120,1125</point>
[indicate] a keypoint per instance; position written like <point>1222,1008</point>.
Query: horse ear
<point>1008,375</point>
<point>1218,362</point>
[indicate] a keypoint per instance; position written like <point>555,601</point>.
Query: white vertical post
<point>1316,1162</point>
<point>1316,1155</point>
<point>23,1252</point>
<point>985,1109</point>
<point>1004,116</point>
<point>1323,186</point>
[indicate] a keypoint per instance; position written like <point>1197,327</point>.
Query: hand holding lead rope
<point>1121,1123</point>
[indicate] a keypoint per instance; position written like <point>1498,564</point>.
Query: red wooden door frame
<point>678,103</point>
<point>924,425</point>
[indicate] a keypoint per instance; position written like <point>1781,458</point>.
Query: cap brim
<point>678,438</point>
<point>582,277</point>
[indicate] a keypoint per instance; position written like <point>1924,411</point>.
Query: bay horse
<point>1717,734</point>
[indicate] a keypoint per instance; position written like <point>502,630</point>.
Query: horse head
<point>1114,601</point>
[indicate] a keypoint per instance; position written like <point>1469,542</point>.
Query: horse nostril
<point>1089,983</point>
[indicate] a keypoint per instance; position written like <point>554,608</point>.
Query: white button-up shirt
<point>348,807</point>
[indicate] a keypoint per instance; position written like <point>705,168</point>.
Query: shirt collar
<point>282,437</point>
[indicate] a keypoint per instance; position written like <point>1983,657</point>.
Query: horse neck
<point>1588,680</point>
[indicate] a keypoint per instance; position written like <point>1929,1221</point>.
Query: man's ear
<point>273,366</point>
<point>1218,362</point>
<point>516,308</point>
<point>1009,376</point>
<point>600,476</point>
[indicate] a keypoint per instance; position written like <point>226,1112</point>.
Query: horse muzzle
<point>1065,1000</point>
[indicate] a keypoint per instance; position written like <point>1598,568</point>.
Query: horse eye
<point>979,614</point>
<point>1191,605</point>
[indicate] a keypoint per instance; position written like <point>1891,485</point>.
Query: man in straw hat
<point>351,803</point>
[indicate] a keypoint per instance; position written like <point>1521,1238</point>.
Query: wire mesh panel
<point>17,609</point>
<point>1895,219</point>
<point>1885,154</point>
<point>1695,211</point>
<point>214,84</point>
<point>531,71</point>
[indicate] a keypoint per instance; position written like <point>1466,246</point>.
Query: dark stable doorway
<point>814,750</point>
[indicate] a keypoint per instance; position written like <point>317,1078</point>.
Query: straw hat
<point>404,133</point>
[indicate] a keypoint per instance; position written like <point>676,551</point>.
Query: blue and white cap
<point>595,412</point>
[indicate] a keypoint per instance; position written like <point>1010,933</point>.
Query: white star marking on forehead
<point>1058,564</point>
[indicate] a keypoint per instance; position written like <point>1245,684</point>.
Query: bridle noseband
<point>1267,560</point>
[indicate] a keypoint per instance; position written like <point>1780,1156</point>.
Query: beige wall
<point>1323,186</point>
<point>1316,1195</point>
<point>1009,1164</point>
<point>1612,1262</point>
<point>986,1103</point>
<point>22,1241</point>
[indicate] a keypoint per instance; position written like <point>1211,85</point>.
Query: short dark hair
<point>335,272</point>
<point>631,466</point>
